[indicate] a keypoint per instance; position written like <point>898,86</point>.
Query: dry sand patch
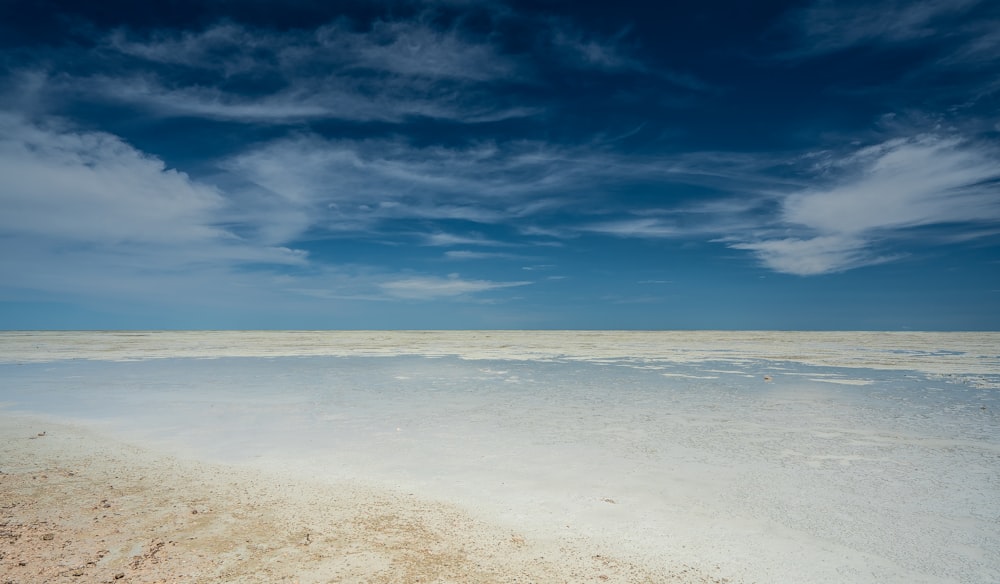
<point>75,507</point>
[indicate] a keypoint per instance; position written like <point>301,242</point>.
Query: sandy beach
<point>499,457</point>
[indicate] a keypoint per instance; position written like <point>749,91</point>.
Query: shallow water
<point>819,473</point>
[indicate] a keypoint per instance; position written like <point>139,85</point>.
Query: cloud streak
<point>87,211</point>
<point>833,217</point>
<point>391,71</point>
<point>354,185</point>
<point>378,132</point>
<point>91,187</point>
<point>826,26</point>
<point>952,45</point>
<point>429,287</point>
<point>841,211</point>
<point>876,194</point>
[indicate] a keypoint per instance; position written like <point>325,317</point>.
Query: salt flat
<point>755,457</point>
<point>950,352</point>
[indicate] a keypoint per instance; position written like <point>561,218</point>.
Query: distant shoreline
<point>928,352</point>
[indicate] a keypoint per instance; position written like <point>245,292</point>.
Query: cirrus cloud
<point>431,287</point>
<point>876,194</point>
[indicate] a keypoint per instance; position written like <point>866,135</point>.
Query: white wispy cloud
<point>354,184</point>
<point>298,103</point>
<point>833,216</point>
<point>643,227</point>
<point>587,51</point>
<point>812,256</point>
<point>903,182</point>
<point>409,48</point>
<point>842,210</point>
<point>416,49</point>
<point>327,97</point>
<point>736,210</point>
<point>465,254</point>
<point>94,188</point>
<point>450,239</point>
<point>347,185</point>
<point>430,287</point>
<point>875,195</point>
<point>579,49</point>
<point>980,48</point>
<point>88,212</point>
<point>827,25</point>
<point>952,48</point>
<point>954,42</point>
<point>225,47</point>
<point>389,71</point>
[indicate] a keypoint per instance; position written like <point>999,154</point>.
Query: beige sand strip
<point>76,507</point>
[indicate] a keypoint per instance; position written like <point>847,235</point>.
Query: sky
<point>456,164</point>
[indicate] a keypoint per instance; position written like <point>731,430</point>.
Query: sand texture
<point>76,507</point>
<point>474,456</point>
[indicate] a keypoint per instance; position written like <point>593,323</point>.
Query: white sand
<point>966,353</point>
<point>79,507</point>
<point>586,450</point>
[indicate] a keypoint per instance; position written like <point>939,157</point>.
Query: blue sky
<point>455,164</point>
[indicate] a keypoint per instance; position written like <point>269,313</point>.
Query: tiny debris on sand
<point>81,509</point>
